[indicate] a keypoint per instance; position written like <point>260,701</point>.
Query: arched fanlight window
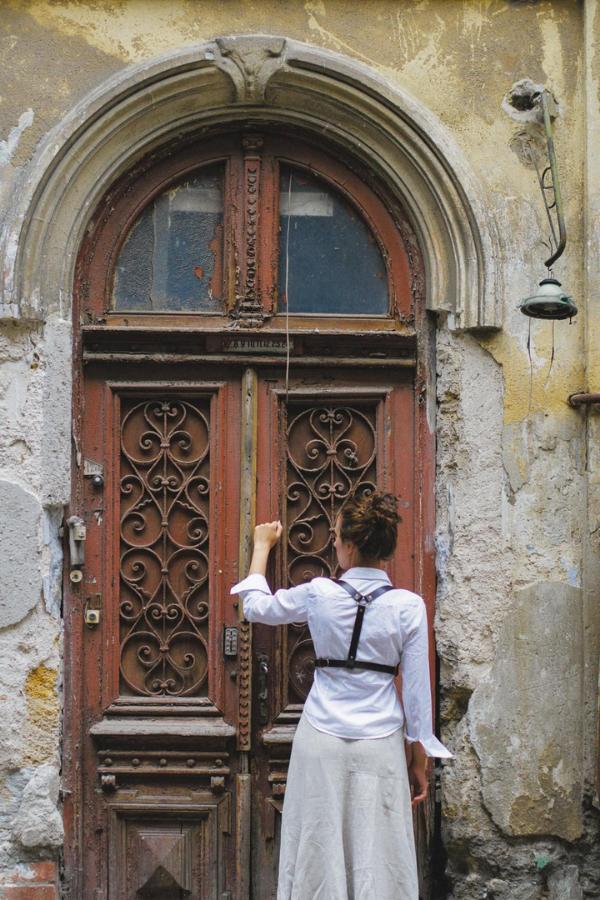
<point>329,260</point>
<point>172,258</point>
<point>261,227</point>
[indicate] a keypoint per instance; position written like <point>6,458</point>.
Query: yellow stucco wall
<point>457,58</point>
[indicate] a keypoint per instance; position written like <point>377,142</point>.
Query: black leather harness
<point>351,662</point>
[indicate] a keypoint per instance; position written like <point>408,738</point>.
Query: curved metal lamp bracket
<point>549,182</point>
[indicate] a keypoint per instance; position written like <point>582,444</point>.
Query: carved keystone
<point>250,63</point>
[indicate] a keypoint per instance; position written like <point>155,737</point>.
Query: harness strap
<point>358,622</point>
<point>322,663</point>
<point>352,662</point>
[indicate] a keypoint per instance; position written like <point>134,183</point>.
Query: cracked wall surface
<point>517,492</point>
<point>30,597</point>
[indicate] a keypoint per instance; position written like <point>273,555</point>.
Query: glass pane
<point>172,258</point>
<point>329,261</point>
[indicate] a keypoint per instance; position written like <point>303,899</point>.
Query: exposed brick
<point>42,872</point>
<point>45,870</point>
<point>29,892</point>
<point>30,881</point>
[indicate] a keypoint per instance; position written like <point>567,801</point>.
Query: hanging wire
<point>287,296</point>
<point>530,369</point>
<point>551,358</point>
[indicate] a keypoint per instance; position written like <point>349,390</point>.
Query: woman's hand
<point>265,537</point>
<point>267,534</point>
<point>417,773</point>
<point>419,783</point>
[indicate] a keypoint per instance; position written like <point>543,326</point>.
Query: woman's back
<point>357,703</point>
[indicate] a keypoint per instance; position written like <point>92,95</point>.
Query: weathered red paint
<point>115,784</point>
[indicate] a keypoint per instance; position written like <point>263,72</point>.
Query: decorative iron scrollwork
<point>164,606</point>
<point>331,456</point>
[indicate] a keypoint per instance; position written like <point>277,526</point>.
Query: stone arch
<point>259,79</point>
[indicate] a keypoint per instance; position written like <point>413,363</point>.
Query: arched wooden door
<point>246,339</point>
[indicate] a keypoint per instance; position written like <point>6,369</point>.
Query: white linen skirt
<point>347,830</point>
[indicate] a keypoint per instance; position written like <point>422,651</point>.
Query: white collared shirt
<point>357,703</point>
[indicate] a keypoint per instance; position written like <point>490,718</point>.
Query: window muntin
<point>329,260</point>
<point>172,258</point>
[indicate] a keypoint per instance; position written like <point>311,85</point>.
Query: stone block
<point>564,884</point>
<point>38,822</point>
<point>526,717</point>
<point>20,586</point>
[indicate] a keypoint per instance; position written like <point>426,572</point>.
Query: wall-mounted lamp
<point>550,302</point>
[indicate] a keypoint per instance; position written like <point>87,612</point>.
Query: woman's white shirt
<point>357,703</point>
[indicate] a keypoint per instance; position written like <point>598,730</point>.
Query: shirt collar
<point>367,573</point>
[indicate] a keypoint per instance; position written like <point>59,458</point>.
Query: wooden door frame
<point>204,342</point>
<point>74,725</point>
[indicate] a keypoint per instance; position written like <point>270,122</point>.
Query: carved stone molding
<point>261,79</point>
<point>250,62</point>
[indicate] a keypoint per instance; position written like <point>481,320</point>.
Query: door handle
<point>263,688</point>
<point>77,535</point>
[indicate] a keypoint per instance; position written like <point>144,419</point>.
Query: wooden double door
<point>180,715</point>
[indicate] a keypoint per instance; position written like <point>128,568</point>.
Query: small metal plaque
<point>230,641</point>
<point>259,345</point>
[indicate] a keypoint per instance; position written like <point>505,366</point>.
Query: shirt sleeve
<point>282,607</point>
<point>416,687</point>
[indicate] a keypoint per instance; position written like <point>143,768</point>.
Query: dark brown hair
<point>371,523</point>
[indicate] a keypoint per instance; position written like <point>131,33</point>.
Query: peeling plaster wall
<point>30,596</point>
<point>518,503</point>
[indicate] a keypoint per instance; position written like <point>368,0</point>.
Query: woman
<point>347,824</point>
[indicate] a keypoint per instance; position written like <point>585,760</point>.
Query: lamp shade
<point>550,302</point>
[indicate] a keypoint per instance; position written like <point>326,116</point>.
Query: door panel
<point>165,493</point>
<point>324,438</point>
<point>169,855</point>
<point>168,595</point>
<point>161,705</point>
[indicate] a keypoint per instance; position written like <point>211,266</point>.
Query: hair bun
<point>382,507</point>
<point>371,522</point>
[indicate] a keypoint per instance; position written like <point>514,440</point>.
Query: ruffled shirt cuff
<point>431,745</point>
<point>254,582</point>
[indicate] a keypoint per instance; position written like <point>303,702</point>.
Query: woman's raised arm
<point>260,605</point>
